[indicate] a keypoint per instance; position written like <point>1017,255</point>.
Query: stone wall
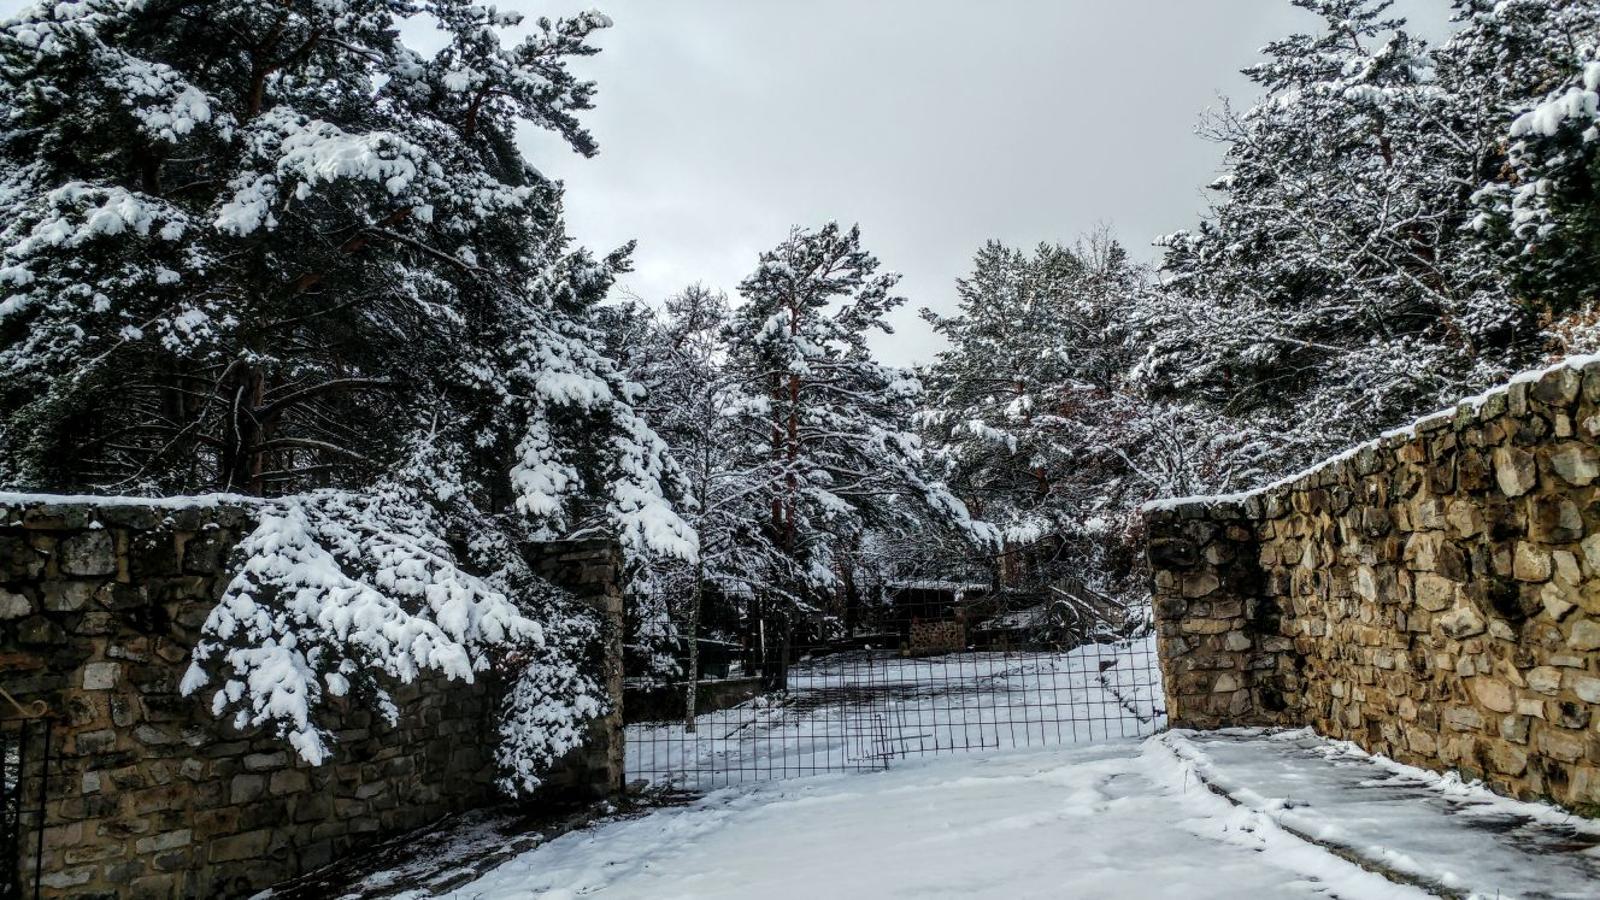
<point>664,703</point>
<point>149,794</point>
<point>1433,596</point>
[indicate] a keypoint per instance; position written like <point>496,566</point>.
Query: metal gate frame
<point>20,737</point>
<point>858,710</point>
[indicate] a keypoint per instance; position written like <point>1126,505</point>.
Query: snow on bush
<point>340,594</point>
<point>542,719</point>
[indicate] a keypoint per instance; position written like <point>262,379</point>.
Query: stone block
<point>14,605</point>
<point>1544,680</point>
<point>1591,552</point>
<point>1584,634</point>
<point>62,879</point>
<point>1463,718</point>
<point>261,762</point>
<point>1506,758</point>
<point>169,840</point>
<point>153,887</point>
<point>245,788</point>
<point>1584,786</point>
<point>1554,520</point>
<point>88,553</point>
<point>249,845</point>
<point>1587,687</point>
<point>1200,584</point>
<point>1531,563</point>
<point>38,631</point>
<point>1464,517</point>
<point>1169,553</point>
<point>1561,745</point>
<point>101,676</point>
<point>1433,592</point>
<point>1557,600</point>
<point>1461,622</point>
<point>1576,463</point>
<point>156,735</point>
<point>1514,728</point>
<point>1207,626</point>
<point>289,781</point>
<point>1516,471</point>
<point>1494,695</point>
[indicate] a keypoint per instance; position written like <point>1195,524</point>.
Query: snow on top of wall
<point>198,501</point>
<point>1475,402</point>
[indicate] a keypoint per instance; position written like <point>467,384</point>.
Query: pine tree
<point>828,425</point>
<point>1335,277</point>
<point>1541,61</point>
<point>697,403</point>
<point>1033,416</point>
<point>267,248</point>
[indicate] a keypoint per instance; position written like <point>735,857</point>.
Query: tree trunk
<point>784,646</point>
<point>691,690</point>
<point>240,459</point>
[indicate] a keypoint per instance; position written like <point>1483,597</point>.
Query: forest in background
<point>269,249</point>
<point>1395,226</point>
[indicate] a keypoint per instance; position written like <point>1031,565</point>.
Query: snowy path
<point>1120,819</point>
<point>1459,839</point>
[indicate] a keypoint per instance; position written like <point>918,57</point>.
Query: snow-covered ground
<point>1120,819</point>
<point>1456,838</point>
<point>865,711</point>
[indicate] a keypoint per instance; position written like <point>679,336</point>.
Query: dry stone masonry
<point>936,637</point>
<point>149,794</point>
<point>1433,596</point>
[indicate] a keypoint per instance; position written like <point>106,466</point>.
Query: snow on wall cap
<point>1429,422</point>
<point>198,501</point>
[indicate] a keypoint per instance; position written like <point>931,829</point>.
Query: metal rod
<point>11,816</point>
<point>38,709</point>
<point>44,790</point>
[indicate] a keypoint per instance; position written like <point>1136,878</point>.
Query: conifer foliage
<point>1396,225</point>
<point>1542,209</point>
<point>830,425</point>
<point>796,443</point>
<point>267,248</point>
<point>1035,419</point>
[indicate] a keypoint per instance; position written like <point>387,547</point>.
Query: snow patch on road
<point>1433,828</point>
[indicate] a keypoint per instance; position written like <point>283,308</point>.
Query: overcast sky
<point>935,124</point>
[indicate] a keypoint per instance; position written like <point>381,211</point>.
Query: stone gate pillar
<point>1223,658</point>
<point>591,570</point>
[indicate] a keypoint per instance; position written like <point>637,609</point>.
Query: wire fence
<point>862,709</point>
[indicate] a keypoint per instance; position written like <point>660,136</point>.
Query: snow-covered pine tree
<point>696,402</point>
<point>1028,334</point>
<point>1334,278</point>
<point>828,425</point>
<point>1032,417</point>
<point>268,248</point>
<point>1541,62</point>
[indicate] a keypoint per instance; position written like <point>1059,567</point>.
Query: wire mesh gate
<point>859,710</point>
<point>24,753</point>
